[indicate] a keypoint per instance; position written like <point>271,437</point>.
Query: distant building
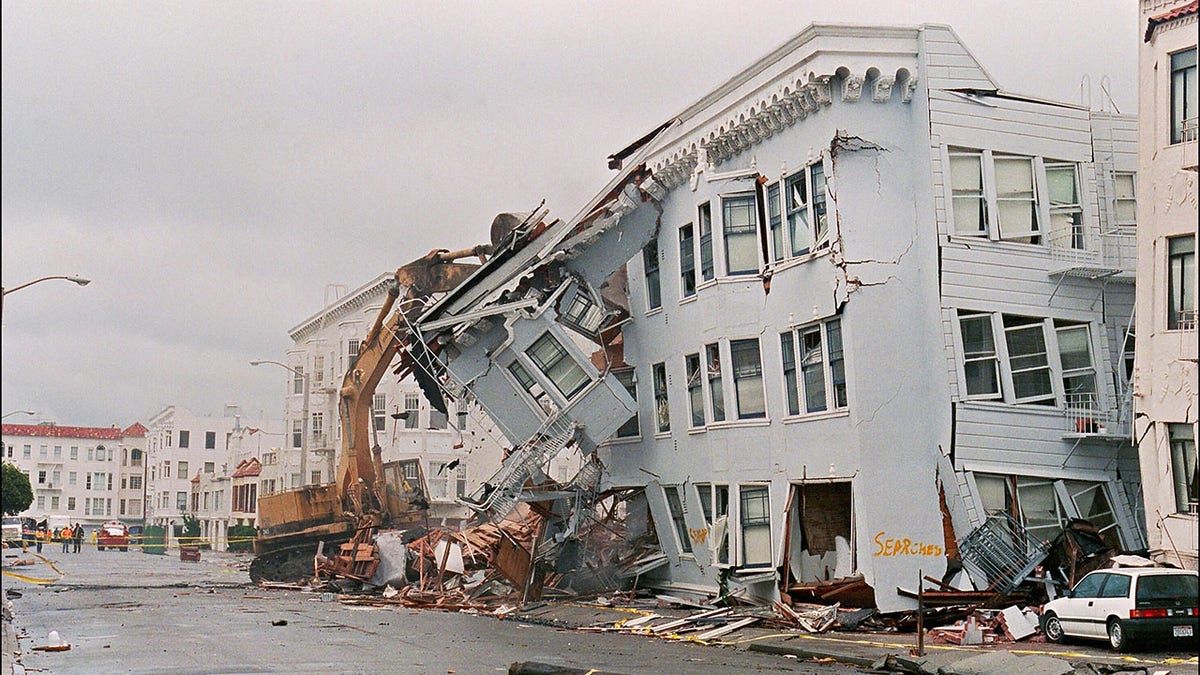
<point>85,475</point>
<point>1167,395</point>
<point>457,451</point>
<point>191,460</point>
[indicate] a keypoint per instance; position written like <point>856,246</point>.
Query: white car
<point>1127,606</point>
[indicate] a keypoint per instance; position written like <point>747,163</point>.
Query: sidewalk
<point>880,651</point>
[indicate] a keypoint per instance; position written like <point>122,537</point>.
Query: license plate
<point>1182,631</point>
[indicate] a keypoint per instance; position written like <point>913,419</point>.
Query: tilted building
<point>863,281</point>
<point>1166,392</point>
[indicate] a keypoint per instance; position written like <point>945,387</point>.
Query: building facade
<point>78,474</point>
<point>1166,393</point>
<point>190,462</point>
<point>879,302</point>
<point>457,451</point>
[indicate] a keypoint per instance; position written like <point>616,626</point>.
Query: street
<point>132,612</point>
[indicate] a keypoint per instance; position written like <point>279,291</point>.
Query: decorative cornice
<point>350,302</point>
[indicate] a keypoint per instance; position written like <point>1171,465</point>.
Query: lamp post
<point>18,412</point>
<point>304,419</point>
<point>73,278</point>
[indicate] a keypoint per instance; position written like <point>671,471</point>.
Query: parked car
<point>1127,606</point>
<point>136,533</point>
<point>113,534</point>
<point>17,530</point>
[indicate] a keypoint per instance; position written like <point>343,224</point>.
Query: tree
<point>15,491</point>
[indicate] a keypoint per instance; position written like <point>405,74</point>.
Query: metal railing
<point>1093,252</point>
<point>1002,551</point>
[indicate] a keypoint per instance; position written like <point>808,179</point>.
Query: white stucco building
<point>1167,395</point>
<point>871,276</point>
<point>85,475</point>
<point>190,462</point>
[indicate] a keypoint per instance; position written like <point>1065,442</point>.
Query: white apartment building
<point>190,463</point>
<point>457,451</point>
<point>1166,393</point>
<point>78,474</point>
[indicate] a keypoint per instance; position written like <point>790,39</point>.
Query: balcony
<point>1087,419</point>
<point>1102,255</point>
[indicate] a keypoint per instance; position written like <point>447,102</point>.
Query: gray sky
<point>213,166</point>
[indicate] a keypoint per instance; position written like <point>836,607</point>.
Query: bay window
<point>715,392</point>
<point>1185,477</point>
<point>1183,96</point>
<point>662,403</point>
<point>704,220</point>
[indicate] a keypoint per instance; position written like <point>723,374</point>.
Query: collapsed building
<point>846,318</point>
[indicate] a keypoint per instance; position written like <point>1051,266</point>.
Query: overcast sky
<point>214,166</point>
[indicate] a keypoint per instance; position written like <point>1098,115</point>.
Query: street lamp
<point>304,417</point>
<point>18,412</point>
<point>73,278</point>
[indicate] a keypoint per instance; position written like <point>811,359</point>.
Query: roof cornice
<point>348,303</point>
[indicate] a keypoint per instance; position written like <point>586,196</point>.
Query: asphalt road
<point>138,613</point>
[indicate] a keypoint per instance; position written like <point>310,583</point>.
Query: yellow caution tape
<point>41,581</point>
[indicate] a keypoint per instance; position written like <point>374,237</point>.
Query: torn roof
<point>1170,15</point>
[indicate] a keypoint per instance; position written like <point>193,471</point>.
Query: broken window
<point>1183,467</point>
<point>695,388</point>
<point>820,224</point>
<point>1028,360</point>
<point>1184,109</point>
<point>715,391</point>
<point>1066,213</point>
<point>1181,283</point>
<point>819,532</point>
<point>775,224</point>
<point>549,355</point>
<point>412,411</point>
<point>582,313</point>
<point>837,362</point>
<point>747,378</point>
<point>755,521</point>
<point>1125,201</point>
<point>812,368</point>
<point>1016,204</point>
<point>1078,373</point>
<point>438,419</point>
<point>739,219</point>
<point>675,506</point>
<point>662,406</point>
<point>980,365</point>
<point>650,264</point>
<point>1045,506</point>
<point>704,217</point>
<point>1091,503</point>
<point>788,349</point>
<point>461,408</point>
<point>379,411</point>
<point>714,503</point>
<point>966,186</point>
<point>821,382</point>
<point>630,428</point>
<point>687,261</point>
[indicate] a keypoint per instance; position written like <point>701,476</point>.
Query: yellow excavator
<point>367,493</point>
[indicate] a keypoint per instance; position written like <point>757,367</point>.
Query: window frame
<point>662,398</point>
<point>652,274</point>
<point>992,217</point>
<point>834,393</point>
<point>1181,282</point>
<point>632,427</point>
<point>762,522</point>
<point>797,203</point>
<point>560,358</point>
<point>745,235</point>
<point>1072,210</point>
<point>1180,77</point>
<point>687,261</point>
<point>745,373</point>
<point>673,496</point>
<point>1121,198</point>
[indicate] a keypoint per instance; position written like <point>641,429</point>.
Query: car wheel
<point>1053,628</point>
<point>99,548</point>
<point>1116,636</point>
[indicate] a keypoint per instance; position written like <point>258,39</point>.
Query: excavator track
<point>289,563</point>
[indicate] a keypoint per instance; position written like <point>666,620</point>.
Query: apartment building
<point>853,306</point>
<point>1166,395</point>
<point>85,475</point>
<point>190,462</point>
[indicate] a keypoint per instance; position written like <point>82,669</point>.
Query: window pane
<point>1061,182</point>
<point>756,525</point>
<point>1015,198</point>
<point>650,263</point>
<point>787,346</point>
<point>812,363</point>
<point>553,360</point>
<point>1181,310</point>
<point>820,225</point>
<point>662,405</point>
<point>797,213</point>
<point>837,363</point>
<point>979,355</point>
<point>966,182</point>
<point>1028,360</point>
<point>1073,348</point>
<point>1183,466</point>
<point>1183,96</point>
<point>695,388</point>
<point>630,427</point>
<point>712,354</point>
<point>775,219</point>
<point>741,235</point>
<point>747,378</point>
<point>706,249</point>
<point>687,261</point>
<point>676,509</point>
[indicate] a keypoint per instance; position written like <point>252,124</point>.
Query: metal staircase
<point>500,493</point>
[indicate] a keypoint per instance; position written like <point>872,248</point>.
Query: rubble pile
<point>990,626</point>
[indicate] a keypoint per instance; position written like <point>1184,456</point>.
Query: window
<point>1066,214</point>
<point>135,482</point>
<point>181,501</point>
<point>298,380</point>
<point>687,261</point>
<point>70,503</point>
<point>182,472</point>
<point>318,374</point>
<point>1183,466</point>
<point>87,481</point>
<point>27,452</point>
<point>437,419</point>
<point>379,411</point>
<point>100,453</point>
<point>318,428</point>
<point>675,506</point>
<point>583,314</point>
<point>630,429</point>
<point>755,525</point>
<point>1183,96</point>
<point>716,393</point>
<point>210,440</point>
<point>352,347</point>
<point>1181,283</point>
<point>297,433</point>
<point>316,480</point>
<point>695,388</point>
<point>775,224</point>
<point>41,502</point>
<point>185,437</point>
<point>1045,506</point>
<point>166,470</point>
<point>980,365</point>
<point>739,218</point>
<point>168,442</point>
<point>1125,200</point>
<point>653,287</point>
<point>1028,360</point>
<point>1078,373</point>
<point>821,382</point>
<point>1016,204</point>
<point>72,478</point>
<point>44,450</point>
<point>412,411</point>
<point>461,408</point>
<point>74,452</point>
<point>969,200</point>
<point>41,479</point>
<point>662,407</point>
<point>135,457</point>
<point>804,208</point>
<point>704,218</point>
<point>57,452</point>
<point>532,387</point>
<point>549,355</point>
<point>747,378</point>
<point>54,502</point>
